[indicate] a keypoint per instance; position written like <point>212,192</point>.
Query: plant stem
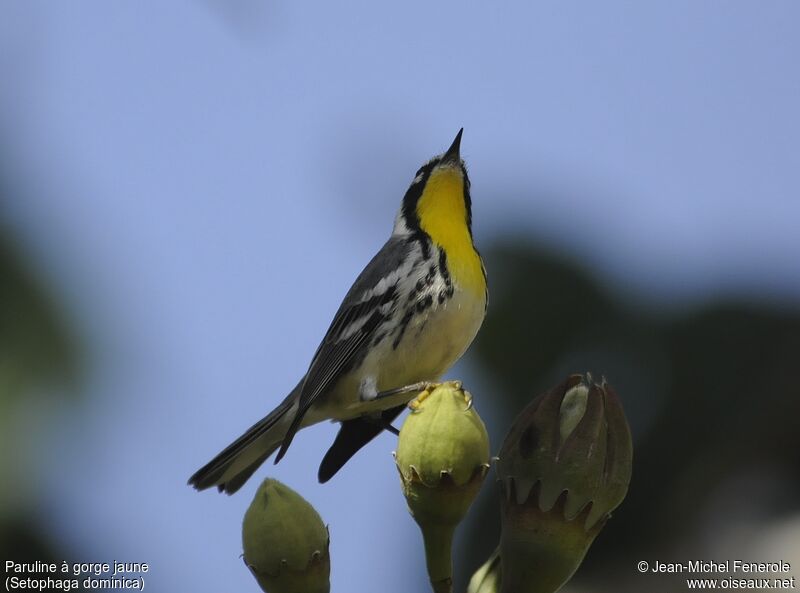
<point>438,556</point>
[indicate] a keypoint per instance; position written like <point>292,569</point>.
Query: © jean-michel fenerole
<point>408,317</point>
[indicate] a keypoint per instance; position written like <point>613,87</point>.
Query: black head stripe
<point>414,192</point>
<point>467,198</point>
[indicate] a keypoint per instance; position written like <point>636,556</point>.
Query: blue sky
<point>206,179</point>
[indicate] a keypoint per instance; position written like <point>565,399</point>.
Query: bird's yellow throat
<point>443,216</point>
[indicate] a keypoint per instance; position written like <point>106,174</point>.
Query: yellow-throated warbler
<point>409,316</point>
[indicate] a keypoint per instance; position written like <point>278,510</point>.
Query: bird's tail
<point>229,470</point>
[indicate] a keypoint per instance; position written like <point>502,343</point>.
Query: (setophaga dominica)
<point>408,317</point>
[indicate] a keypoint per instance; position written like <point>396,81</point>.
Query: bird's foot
<point>428,389</point>
<point>418,387</point>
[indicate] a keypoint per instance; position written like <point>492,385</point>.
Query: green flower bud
<point>285,542</point>
<point>488,578</point>
<point>443,456</point>
<point>564,466</point>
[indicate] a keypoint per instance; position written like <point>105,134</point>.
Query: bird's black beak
<point>453,154</point>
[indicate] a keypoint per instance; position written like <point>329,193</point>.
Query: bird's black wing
<point>369,303</point>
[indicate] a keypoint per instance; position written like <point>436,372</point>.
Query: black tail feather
<point>353,435</point>
<point>211,474</point>
<point>239,479</point>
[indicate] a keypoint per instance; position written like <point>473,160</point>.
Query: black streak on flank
<point>443,267</point>
<point>448,290</point>
<point>378,339</point>
<point>425,303</point>
<point>403,325</point>
<point>431,275</point>
<point>422,283</point>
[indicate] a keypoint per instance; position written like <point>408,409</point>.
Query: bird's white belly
<point>430,345</point>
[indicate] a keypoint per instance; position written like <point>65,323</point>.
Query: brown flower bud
<point>564,466</point>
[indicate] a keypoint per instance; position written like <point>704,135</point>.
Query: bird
<point>409,316</point>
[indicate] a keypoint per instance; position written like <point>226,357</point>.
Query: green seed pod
<point>564,466</point>
<point>285,542</point>
<point>443,456</point>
